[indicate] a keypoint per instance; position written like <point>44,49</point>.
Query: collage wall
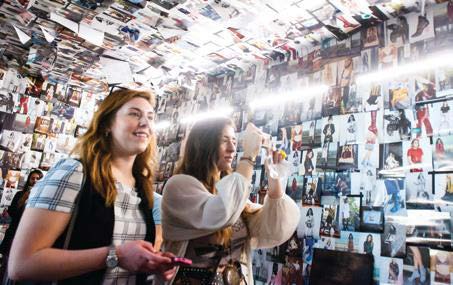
<point>371,159</point>
<point>39,124</point>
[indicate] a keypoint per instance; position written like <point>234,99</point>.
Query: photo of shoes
<point>420,26</point>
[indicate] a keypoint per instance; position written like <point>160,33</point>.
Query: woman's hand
<point>275,169</point>
<point>140,256</point>
<point>167,271</point>
<point>252,140</point>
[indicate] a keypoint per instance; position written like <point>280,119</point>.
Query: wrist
<point>249,154</point>
<point>112,259</point>
<point>248,159</point>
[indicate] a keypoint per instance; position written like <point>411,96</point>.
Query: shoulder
<point>66,165</point>
<point>59,187</point>
<point>182,180</point>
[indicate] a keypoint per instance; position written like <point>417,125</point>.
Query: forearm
<point>245,168</point>
<point>56,264</point>
<point>275,188</point>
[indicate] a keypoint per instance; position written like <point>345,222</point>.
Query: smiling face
<point>227,148</point>
<point>132,127</point>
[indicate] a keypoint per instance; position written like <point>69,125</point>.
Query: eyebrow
<point>228,137</point>
<point>137,109</point>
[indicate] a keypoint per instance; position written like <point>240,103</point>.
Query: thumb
<point>148,246</point>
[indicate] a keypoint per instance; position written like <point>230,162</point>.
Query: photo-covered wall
<point>371,158</point>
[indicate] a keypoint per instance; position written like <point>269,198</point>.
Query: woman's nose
<point>231,147</point>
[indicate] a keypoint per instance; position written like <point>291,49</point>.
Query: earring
<point>107,133</point>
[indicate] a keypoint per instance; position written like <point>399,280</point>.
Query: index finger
<point>157,258</point>
<point>167,254</point>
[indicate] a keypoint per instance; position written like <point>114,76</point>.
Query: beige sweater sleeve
<point>189,211</point>
<point>274,223</point>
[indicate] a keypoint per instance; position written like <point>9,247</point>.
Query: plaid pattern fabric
<point>57,191</point>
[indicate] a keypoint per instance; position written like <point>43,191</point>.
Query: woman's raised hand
<point>252,140</point>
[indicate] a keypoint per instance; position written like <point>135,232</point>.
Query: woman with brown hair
<point>111,241</point>
<point>206,213</point>
<point>15,211</point>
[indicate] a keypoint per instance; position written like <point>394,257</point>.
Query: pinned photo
<point>349,241</point>
<point>443,189</point>
<point>274,275</point>
<point>308,162</point>
<point>31,159</point>
<point>11,140</point>
<point>311,192</point>
<point>349,216</point>
<point>294,187</point>
<point>391,159</point>
<point>423,125</point>
<point>419,190</point>
<point>42,125</point>
<point>441,264</point>
<point>393,240</point>
<point>292,271</point>
<point>373,99</point>
<point>329,221</point>
<point>442,118</point>
<point>38,142</point>
<point>398,95</point>
<point>370,244</point>
<point>6,120</point>
<point>443,153</point>
<point>395,196</point>
<point>351,131</point>
<point>397,125</point>
<point>331,102</point>
<point>364,183</point>
<point>417,265</point>
<point>23,123</point>
<point>444,81</point>
<point>425,87</point>
<point>421,25</point>
<point>296,138</point>
<point>391,270</point>
<point>259,265</point>
<point>347,157</point>
<point>418,155</point>
<point>308,134</point>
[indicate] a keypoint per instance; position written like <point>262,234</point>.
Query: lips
<point>141,134</point>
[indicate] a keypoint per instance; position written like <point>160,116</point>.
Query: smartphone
<point>181,261</point>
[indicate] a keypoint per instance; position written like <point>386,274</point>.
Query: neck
<point>122,165</point>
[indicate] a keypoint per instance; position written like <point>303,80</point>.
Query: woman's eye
<point>135,114</point>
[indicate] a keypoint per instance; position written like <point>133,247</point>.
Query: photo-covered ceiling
<point>91,43</point>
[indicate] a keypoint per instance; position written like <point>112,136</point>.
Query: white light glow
<point>162,125</point>
<point>401,169</point>
<point>280,99</point>
<point>430,63</point>
<point>216,113</point>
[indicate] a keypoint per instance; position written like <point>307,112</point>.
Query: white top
<point>190,211</point>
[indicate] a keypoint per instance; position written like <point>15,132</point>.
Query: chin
<point>224,167</point>
<point>138,150</point>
